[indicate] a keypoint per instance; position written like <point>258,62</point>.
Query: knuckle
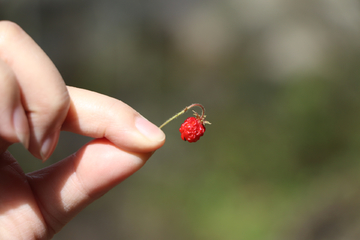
<point>57,103</point>
<point>9,31</point>
<point>63,102</point>
<point>52,108</point>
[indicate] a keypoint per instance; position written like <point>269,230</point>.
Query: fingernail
<point>149,130</point>
<point>21,126</point>
<point>48,145</point>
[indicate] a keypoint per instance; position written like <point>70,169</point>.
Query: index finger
<point>99,116</point>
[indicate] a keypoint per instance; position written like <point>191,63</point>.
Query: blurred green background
<point>280,82</point>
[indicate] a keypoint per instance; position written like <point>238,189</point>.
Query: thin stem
<point>184,111</point>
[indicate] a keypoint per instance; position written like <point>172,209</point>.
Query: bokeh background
<point>280,82</point>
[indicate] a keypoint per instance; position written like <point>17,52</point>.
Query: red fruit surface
<point>192,129</point>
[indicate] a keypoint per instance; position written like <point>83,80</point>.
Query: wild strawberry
<point>193,127</point>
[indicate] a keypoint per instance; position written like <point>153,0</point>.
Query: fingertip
<point>150,131</point>
<point>21,126</point>
<point>49,145</point>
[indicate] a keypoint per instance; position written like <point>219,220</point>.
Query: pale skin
<point>35,105</point>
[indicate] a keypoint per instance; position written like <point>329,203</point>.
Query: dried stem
<point>184,111</point>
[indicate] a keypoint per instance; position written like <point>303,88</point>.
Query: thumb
<point>65,188</point>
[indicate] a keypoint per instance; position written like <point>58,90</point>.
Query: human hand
<point>35,106</point>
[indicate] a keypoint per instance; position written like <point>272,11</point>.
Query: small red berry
<point>192,129</point>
